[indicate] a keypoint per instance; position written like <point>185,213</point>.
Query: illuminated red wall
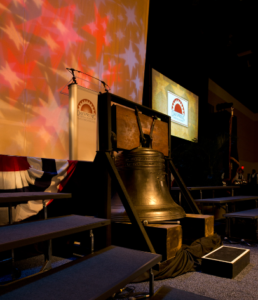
<point>39,39</point>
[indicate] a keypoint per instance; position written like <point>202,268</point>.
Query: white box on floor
<point>226,261</point>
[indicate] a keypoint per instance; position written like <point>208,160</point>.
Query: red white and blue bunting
<point>29,174</point>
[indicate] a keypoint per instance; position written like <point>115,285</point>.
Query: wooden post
<point>186,194</point>
<point>125,198</point>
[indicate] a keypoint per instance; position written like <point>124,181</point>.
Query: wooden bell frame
<point>119,130</point>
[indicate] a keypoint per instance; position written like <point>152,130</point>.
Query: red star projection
<point>55,26</point>
<point>98,30</point>
<point>39,40</point>
<point>112,74</point>
<point>16,76</point>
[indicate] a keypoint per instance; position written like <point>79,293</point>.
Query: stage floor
<point>243,286</point>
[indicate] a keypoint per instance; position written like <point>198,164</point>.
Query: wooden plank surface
<point>127,130</point>
<point>97,276</point>
<point>197,188</point>
<point>128,134</point>
<point>20,235</point>
<point>226,199</point>
<point>22,197</point>
<point>247,214</point>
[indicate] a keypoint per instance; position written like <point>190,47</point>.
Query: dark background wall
<point>190,41</point>
<point>176,50</point>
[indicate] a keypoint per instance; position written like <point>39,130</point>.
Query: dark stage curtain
<point>187,259</point>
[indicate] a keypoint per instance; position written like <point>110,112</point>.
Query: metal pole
<point>151,287</point>
<point>45,209</point>
<point>48,252</point>
<point>256,228</point>
<point>92,241</point>
<point>73,140</point>
<point>230,133</point>
<point>10,211</point>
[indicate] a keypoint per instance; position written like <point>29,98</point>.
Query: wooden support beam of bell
<point>185,192</point>
<point>129,207</point>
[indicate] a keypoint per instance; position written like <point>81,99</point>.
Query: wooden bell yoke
<point>125,125</point>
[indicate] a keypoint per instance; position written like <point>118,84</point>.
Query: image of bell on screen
<point>179,103</point>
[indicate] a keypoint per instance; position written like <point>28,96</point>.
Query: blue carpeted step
<point>246,214</point>
<point>95,277</point>
<point>226,199</point>
<point>19,235</point>
<point>23,197</point>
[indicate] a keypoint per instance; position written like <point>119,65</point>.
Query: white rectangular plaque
<point>178,109</point>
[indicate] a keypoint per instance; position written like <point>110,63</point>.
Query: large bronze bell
<point>143,173</point>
